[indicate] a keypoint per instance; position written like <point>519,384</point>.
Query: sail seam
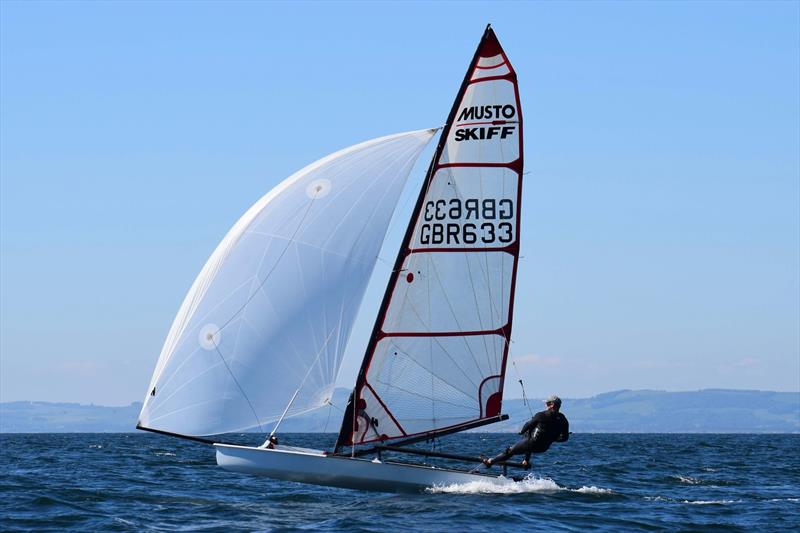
<point>386,409</point>
<point>508,77</point>
<point>233,376</point>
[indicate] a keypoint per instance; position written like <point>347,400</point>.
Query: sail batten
<point>436,359</point>
<point>272,309</point>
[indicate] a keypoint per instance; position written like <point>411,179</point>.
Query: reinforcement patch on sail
<point>272,309</point>
<point>437,356</point>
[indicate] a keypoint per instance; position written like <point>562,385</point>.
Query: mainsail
<point>437,356</point>
<point>271,311</point>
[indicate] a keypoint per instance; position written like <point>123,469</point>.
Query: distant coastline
<point>624,411</point>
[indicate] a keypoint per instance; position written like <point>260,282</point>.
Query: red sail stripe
<point>478,67</point>
<point>488,47</point>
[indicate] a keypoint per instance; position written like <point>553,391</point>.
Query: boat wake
<point>530,484</point>
<point>690,502</point>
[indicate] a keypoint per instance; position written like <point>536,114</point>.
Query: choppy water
<point>132,482</point>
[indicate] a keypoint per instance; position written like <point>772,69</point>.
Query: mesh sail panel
<point>273,307</point>
<point>437,357</point>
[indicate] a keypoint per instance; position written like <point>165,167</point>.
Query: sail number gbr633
<point>467,221</point>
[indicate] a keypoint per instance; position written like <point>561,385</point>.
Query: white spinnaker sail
<point>272,309</point>
<point>437,357</point>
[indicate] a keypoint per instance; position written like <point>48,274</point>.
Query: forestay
<point>437,356</point>
<point>272,309</point>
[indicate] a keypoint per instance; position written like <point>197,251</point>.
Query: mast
<point>462,161</point>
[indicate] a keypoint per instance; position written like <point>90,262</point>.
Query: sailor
<point>545,428</point>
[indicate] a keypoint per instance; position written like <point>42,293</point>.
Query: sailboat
<point>262,332</point>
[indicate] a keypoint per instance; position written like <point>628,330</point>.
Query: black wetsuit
<point>545,428</point>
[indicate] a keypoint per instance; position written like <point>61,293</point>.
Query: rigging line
<point>238,385</point>
<point>453,183</point>
<point>264,252</point>
<point>311,366</point>
<point>426,187</point>
<point>348,258</point>
<point>381,199</point>
<point>521,384</point>
<point>395,220</point>
<point>278,423</point>
<point>408,303</point>
<point>498,311</point>
<point>342,340</point>
<point>274,266</point>
<point>238,428</point>
<point>183,339</point>
<point>503,257</point>
<point>447,300</point>
<point>297,353</point>
<point>465,255</point>
<point>368,189</point>
<point>434,376</point>
<point>441,346</point>
<point>254,329</point>
<point>341,166</point>
<point>237,329</point>
<point>329,402</point>
<point>372,216</point>
<point>486,255</point>
<point>330,371</point>
<point>304,243</point>
<point>185,384</point>
<point>517,215</point>
<point>345,167</point>
<point>453,312</point>
<point>154,419</point>
<point>323,372</point>
<point>433,402</point>
<point>238,335</point>
<point>430,316</point>
<point>305,290</point>
<point>412,393</point>
<point>197,294</point>
<point>377,204</point>
<point>286,338</point>
<point>328,419</point>
<point>302,284</point>
<point>410,418</point>
<point>169,379</point>
<point>412,262</point>
<point>291,401</point>
<point>403,154</point>
<point>384,261</point>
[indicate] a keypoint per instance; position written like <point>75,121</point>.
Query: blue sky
<point>661,212</point>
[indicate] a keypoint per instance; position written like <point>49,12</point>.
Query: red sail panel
<point>437,356</point>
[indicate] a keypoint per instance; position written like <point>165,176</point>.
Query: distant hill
<point>704,411</point>
<point>626,411</point>
<point>46,417</point>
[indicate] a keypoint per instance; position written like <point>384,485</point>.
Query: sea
<point>597,482</point>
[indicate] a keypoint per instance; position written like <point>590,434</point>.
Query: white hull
<point>312,466</point>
